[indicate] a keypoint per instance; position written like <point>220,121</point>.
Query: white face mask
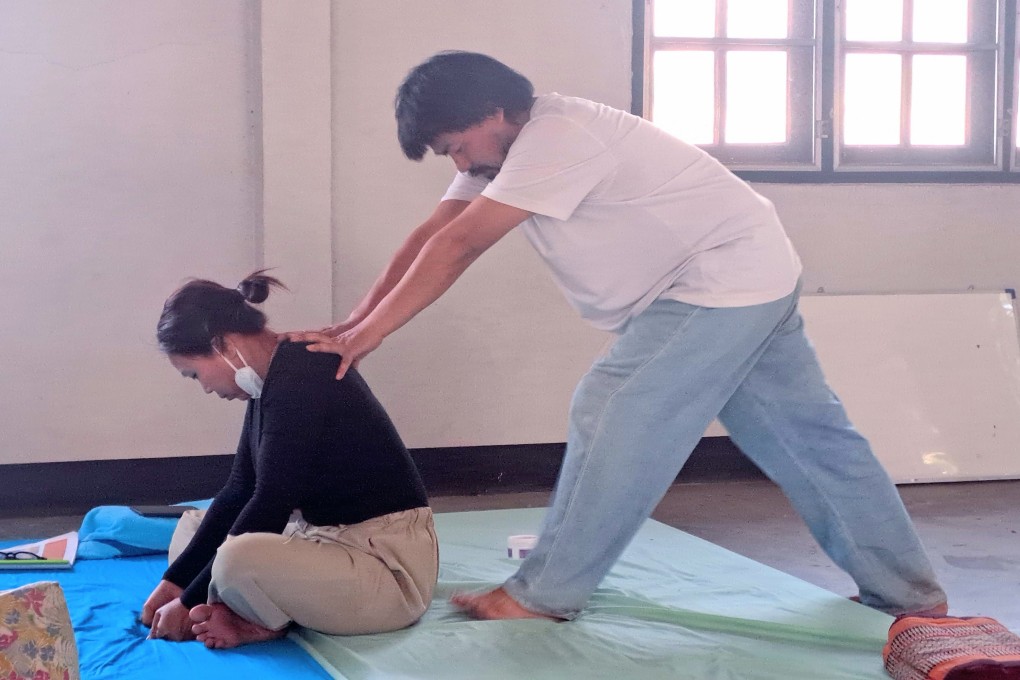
<point>245,377</point>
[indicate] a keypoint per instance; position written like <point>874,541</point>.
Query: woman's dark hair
<point>453,91</point>
<point>200,312</point>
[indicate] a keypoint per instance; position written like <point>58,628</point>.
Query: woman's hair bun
<point>255,287</point>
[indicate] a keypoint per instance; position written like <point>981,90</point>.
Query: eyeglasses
<point>19,555</point>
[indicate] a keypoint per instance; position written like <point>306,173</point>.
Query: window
<point>837,89</point>
<point>736,77</point>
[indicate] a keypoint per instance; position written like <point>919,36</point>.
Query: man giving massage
<point>651,238</point>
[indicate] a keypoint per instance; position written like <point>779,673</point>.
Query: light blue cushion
<point>118,531</point>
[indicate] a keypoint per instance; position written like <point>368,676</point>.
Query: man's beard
<point>489,172</point>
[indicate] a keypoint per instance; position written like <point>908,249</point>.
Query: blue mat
<point>105,597</point>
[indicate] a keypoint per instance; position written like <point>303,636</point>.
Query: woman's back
<point>323,446</point>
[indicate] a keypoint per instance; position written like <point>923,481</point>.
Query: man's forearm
<point>387,281</point>
<point>441,261</point>
<point>438,265</point>
<point>405,257</point>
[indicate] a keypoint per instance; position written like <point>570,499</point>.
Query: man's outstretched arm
<point>401,261</point>
<point>442,259</point>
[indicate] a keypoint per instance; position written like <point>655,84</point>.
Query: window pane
<point>756,96</point>
<point>684,18</point>
<point>938,100</point>
<point>877,20</point>
<point>757,18</point>
<point>683,90</point>
<point>871,99</point>
<point>940,21</point>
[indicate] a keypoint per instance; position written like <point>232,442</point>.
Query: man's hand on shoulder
<point>339,329</point>
<point>330,331</point>
<point>351,345</point>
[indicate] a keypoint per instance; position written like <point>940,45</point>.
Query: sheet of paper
<point>62,547</point>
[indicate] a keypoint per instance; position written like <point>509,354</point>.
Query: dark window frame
<point>827,170</point>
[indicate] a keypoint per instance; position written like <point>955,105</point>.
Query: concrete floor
<point>970,529</point>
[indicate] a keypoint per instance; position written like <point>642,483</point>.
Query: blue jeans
<point>638,413</point>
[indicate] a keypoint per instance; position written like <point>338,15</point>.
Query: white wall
<point>128,133</point>
<point>880,238</point>
<point>133,143</point>
<point>297,159</point>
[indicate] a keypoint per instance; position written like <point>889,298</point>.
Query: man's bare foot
<point>495,604</point>
<point>218,627</point>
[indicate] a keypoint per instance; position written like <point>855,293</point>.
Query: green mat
<point>674,606</point>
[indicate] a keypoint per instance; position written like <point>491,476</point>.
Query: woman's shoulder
<point>297,353</point>
<point>288,350</point>
<point>293,360</point>
<point>294,364</point>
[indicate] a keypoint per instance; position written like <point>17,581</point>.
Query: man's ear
<point>219,344</point>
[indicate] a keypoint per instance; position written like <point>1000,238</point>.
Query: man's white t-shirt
<point>626,213</point>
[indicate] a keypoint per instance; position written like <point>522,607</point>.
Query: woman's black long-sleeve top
<point>311,443</point>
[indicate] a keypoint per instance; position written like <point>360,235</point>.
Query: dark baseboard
<point>479,470</point>
<point>37,489</point>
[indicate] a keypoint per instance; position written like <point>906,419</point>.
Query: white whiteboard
<point>932,380</point>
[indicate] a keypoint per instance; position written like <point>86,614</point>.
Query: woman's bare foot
<point>495,604</point>
<point>218,627</point>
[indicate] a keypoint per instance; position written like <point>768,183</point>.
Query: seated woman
<point>360,555</point>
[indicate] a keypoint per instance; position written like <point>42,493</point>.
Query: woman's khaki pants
<point>370,577</point>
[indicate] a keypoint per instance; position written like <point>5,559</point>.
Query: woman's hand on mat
<point>165,592</point>
<point>171,622</point>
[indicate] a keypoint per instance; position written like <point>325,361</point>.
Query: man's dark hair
<point>453,91</point>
